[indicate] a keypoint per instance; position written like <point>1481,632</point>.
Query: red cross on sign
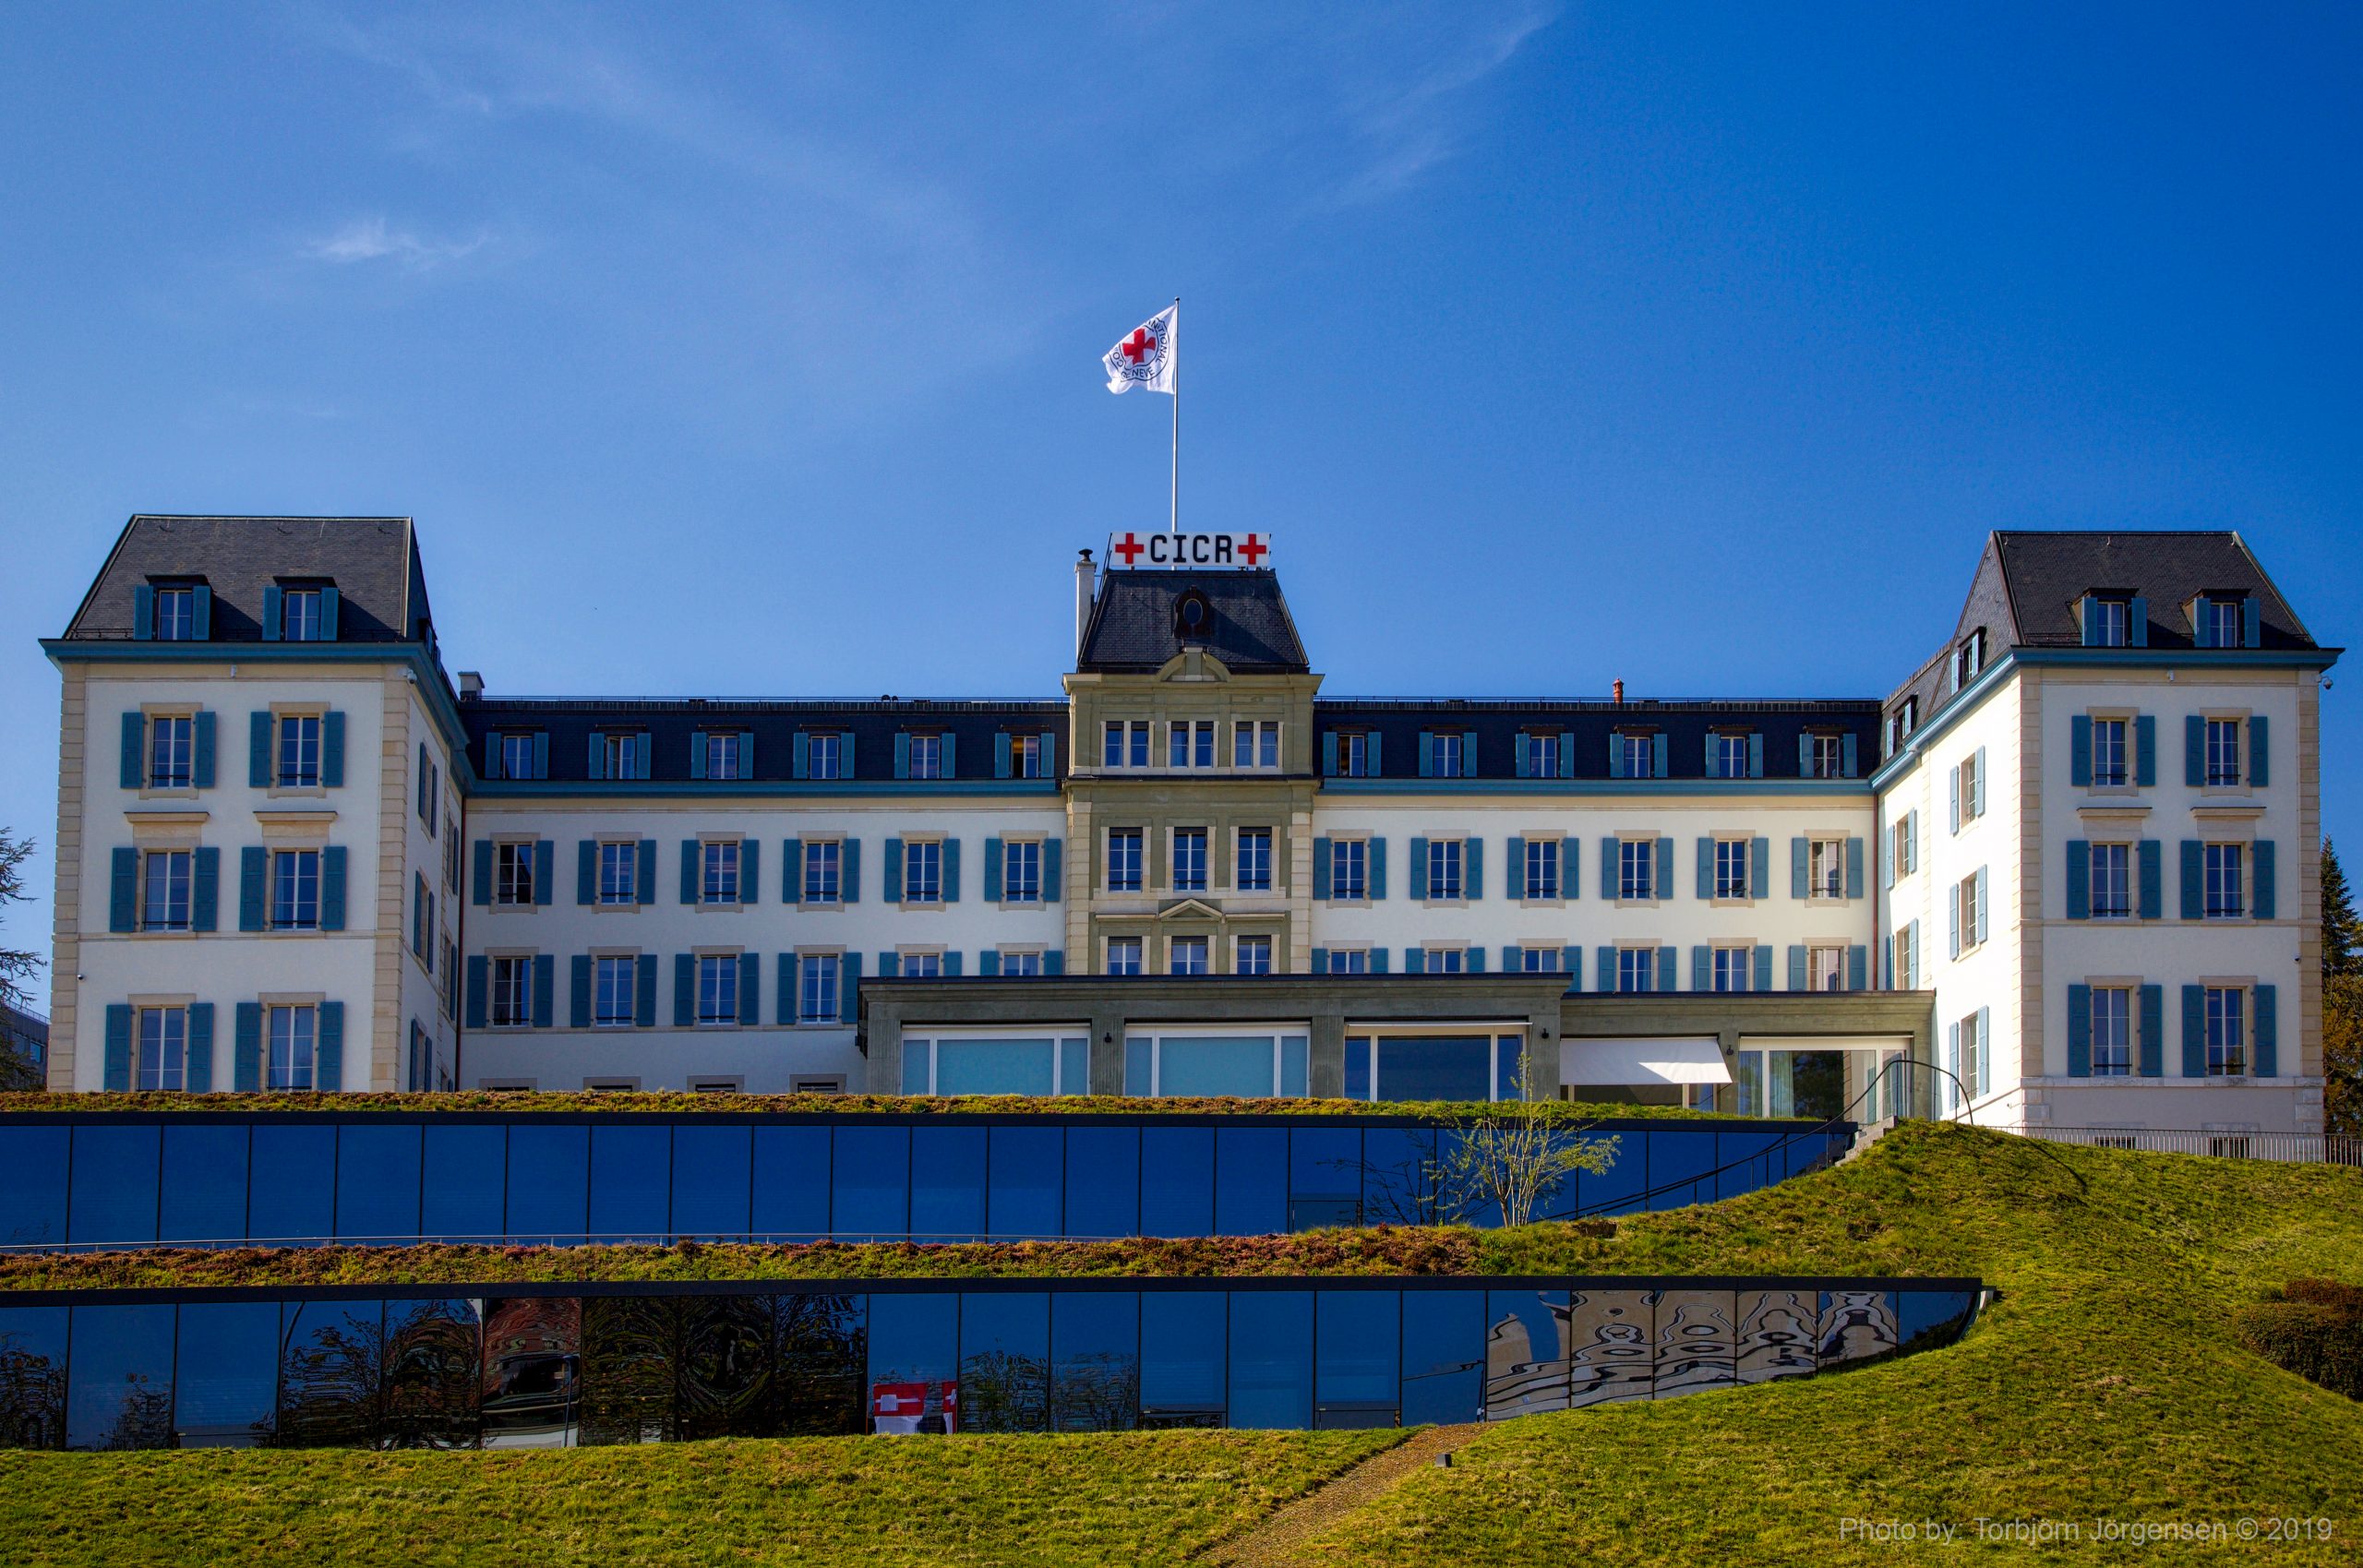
<point>1255,550</point>
<point>1188,552</point>
<point>1130,549</point>
<point>1137,347</point>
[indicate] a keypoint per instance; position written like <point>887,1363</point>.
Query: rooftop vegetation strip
<point>504,1103</point>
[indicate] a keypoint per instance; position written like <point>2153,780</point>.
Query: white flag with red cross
<point>1145,357</point>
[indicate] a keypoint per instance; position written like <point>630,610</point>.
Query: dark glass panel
<point>115,1185</point>
<point>290,1195</point>
<point>1458,1068</point>
<point>711,1181</point>
<point>549,1183</point>
<point>630,1352</point>
<point>631,1182</point>
<point>1617,1189</point>
<point>33,1377</point>
<point>32,1186</point>
<point>1926,1319</point>
<point>791,1183</point>
<point>1609,1339</point>
<point>1679,1164</point>
<point>1856,1326</point>
<point>1744,1154</point>
<point>1026,1173</point>
<point>204,1196</point>
<point>1324,1177</point>
<point>120,1392</point>
<point>1443,1362</point>
<point>377,1182</point>
<point>1356,1358</point>
<point>822,1364</point>
<point>1776,1334</point>
<point>228,1392</point>
<point>1177,1181</point>
<point>466,1186</point>
<point>947,1183</point>
<point>1526,1352</point>
<point>1103,1181</point>
<point>725,1366</point>
<point>531,1371</point>
<point>1814,1149</point>
<point>1005,1361</point>
<point>1562,1198</point>
<point>1696,1346</point>
<point>332,1366</point>
<point>870,1172</point>
<point>1095,1360</point>
<point>1464,1194</point>
<point>434,1383</point>
<point>1271,1359</point>
<point>1400,1185</point>
<point>1357,1068</point>
<point>913,1363</point>
<point>1185,1363</point>
<point>1250,1180</point>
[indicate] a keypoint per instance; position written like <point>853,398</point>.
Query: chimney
<point>1616,692</point>
<point>1084,573</point>
<point>471,685</point>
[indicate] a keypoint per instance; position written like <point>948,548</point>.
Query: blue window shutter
<point>595,757</point>
<point>1615,755</point>
<point>134,772</point>
<point>2194,751</point>
<point>586,871</point>
<point>1473,867</point>
<point>1853,868</point>
<point>801,757</point>
<point>333,749</point>
<point>1329,754</point>
<point>1370,755</point>
<point>894,887</point>
<point>143,612</point>
<point>1804,755</point>
<point>2079,879</point>
<point>1377,868</point>
<point>540,754</point>
<point>644,992</point>
<point>1760,962</point>
<point>1706,754</point>
<point>951,756</point>
<point>2079,751</point>
<point>1571,867</point>
<point>2137,621</point>
<point>1608,889</point>
<point>751,870</point>
<point>201,1048</point>
<point>1000,756</point>
<point>1522,755</point>
<point>1977,786</point>
<point>2251,622</point>
<point>2145,749</point>
<point>1604,977</point>
<point>685,989</point>
<point>328,1048</point>
<point>2194,1031</point>
<point>751,988</point>
<point>784,1009</point>
<point>201,762</point>
<point>849,989</point>
<point>987,962</point>
<point>2260,874</point>
<point>258,750</point>
<point>1053,868</point>
<point>1952,799</point>
<point>578,991</point>
<point>1660,748</point>
<point>849,871</point>
<point>200,604</point>
<point>690,868</point>
<point>1796,968</point>
<point>1321,961</point>
<point>545,985</point>
<point>1514,868</point>
<point>1886,860</point>
<point>1706,880</point>
<point>1571,961</point>
<point>1797,872</point>
<point>479,985</point>
<point>951,871</point>
<point>1469,754</point>
<point>697,754</point>
<point>1702,968</point>
<point>1958,1089</point>
<point>1981,903</point>
<point>205,890</point>
<point>1952,921</point>
<point>1321,868</point>
<point>1847,746</point>
<point>993,888</point>
<point>644,873</point>
<point>846,749</point>
<point>1414,961</point>
<point>1755,756</point>
<point>2089,620</point>
<point>123,891</point>
<point>791,871</point>
<point>1668,960</point>
<point>1513,959</point>
<point>1662,878</point>
<point>2148,870</point>
<point>2267,1015</point>
<point>1858,968</point>
<point>245,1047</point>
<point>2151,1049</point>
<point>331,602</point>
<point>545,870</point>
<point>2260,752</point>
<point>901,755</point>
<point>1566,754</point>
<point>1419,867</point>
<point>1054,963</point>
<point>2194,892</point>
<point>254,865</point>
<point>272,622</point>
<point>332,888</point>
<point>1427,754</point>
<point>2203,633</point>
<point>2079,1030</point>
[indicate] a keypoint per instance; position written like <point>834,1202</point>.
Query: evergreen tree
<point>2341,931</point>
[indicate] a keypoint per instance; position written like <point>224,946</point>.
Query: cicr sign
<point>1240,552</point>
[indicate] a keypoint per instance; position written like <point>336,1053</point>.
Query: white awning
<point>1825,1043</point>
<point>1695,1059</point>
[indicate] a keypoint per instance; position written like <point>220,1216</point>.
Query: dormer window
<point>1907,718</point>
<point>1969,658</point>
<point>1194,617</point>
<point>2223,620</point>
<point>171,612</point>
<point>2110,619</point>
<point>176,614</point>
<point>299,613</point>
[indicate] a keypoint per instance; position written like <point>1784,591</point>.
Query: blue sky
<point>756,351</point>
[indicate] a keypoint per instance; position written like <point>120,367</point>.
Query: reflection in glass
<point>1177,1181</point>
<point>1183,1343</point>
<point>821,1364</point>
<point>377,1182</point>
<point>631,1348</point>
<point>1214,1065</point>
<point>1696,1346</point>
<point>947,1183</point>
<point>1271,1359</point>
<point>120,1389</point>
<point>1678,1164</point>
<point>992,1066</point>
<point>1005,1361</point>
<point>331,1364</point>
<point>725,1366</point>
<point>115,1185</point>
<point>1926,1318</point>
<point>712,1180</point>
<point>1436,1067</point>
<point>1103,1181</point>
<point>1324,1177</point>
<point>1776,1334</point>
<point>870,1175</point>
<point>227,1393</point>
<point>33,1377</point>
<point>1025,1167</point>
<point>1745,1155</point>
<point>1356,1358</point>
<point>290,1199</point>
<point>1399,1177</point>
<point>433,1355</point>
<point>1095,1360</point>
<point>1610,1354</point>
<point>913,1363</point>
<point>549,1179</point>
<point>462,1202</point>
<point>631,1179</point>
<point>531,1371</point>
<point>204,1186</point>
<point>1526,1353</point>
<point>1444,1370</point>
<point>1250,1180</point>
<point>1855,1326</point>
<point>791,1181</point>
<point>33,1171</point>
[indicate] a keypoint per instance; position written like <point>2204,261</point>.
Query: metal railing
<point>2299,1148</point>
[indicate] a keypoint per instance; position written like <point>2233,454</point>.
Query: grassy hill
<point>2103,1384</point>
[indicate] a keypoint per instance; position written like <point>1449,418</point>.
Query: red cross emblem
<point>1255,550</point>
<point>1137,347</point>
<point>1131,549</point>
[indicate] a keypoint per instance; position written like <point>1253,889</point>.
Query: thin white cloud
<point>373,239</point>
<point>1409,127</point>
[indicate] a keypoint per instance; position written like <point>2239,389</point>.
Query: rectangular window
<point>1973,1047</point>
<point>1907,718</point>
<point>1542,870</point>
<point>165,889</point>
<point>1188,860</point>
<point>299,615</point>
<point>1731,757</point>
<point>163,1048</point>
<point>923,871</point>
<point>615,991</point>
<point>1353,754</point>
<point>1255,956</point>
<point>299,751</point>
<point>512,992</point>
<point>717,987</point>
<point>2227,1036</point>
<point>1187,955</point>
<point>1190,744</point>
<point>430,796</point>
<point>1021,871</point>
<point>619,756</point>
<point>293,1033</point>
<point>618,872</point>
<point>1124,743</point>
<point>928,965</point>
<point>718,872</point>
<point>1254,868</point>
<point>1026,759</point>
<point>2226,899</point>
<point>1971,790</point>
<point>1537,960</point>
<point>1826,868</point>
<point>1825,968</point>
<point>1732,855</point>
<point>1255,743</point>
<point>724,756</point>
<point>1123,955</point>
<point>2219,623</point>
<point>1733,968</point>
<point>1446,856</point>
<point>1826,758</point>
<point>1636,969</point>
<point>171,752</point>
<point>295,890</point>
<point>1446,755</point>
<point>1350,869</point>
<point>516,757</point>
<point>1349,961</point>
<point>1965,915</point>
<point>927,757</point>
<point>2112,623</point>
<point>2112,1021</point>
<point>1020,965</point>
<point>1444,960</point>
<point>176,615</point>
<point>1124,860</point>
<point>512,874</point>
<point>1541,755</point>
<point>825,756</point>
<point>1969,659</point>
<point>1636,860</point>
<point>823,871</point>
<point>818,978</point>
<point>1899,846</point>
<point>2109,771</point>
<point>2222,753</point>
<point>2112,886</point>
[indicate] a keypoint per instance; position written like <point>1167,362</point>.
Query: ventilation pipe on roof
<point>1616,691</point>
<point>1083,574</point>
<point>471,685</point>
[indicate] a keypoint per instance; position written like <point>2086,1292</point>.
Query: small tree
<point>2342,930</point>
<point>1514,1158</point>
<point>17,965</point>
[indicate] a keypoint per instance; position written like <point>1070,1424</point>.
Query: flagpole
<point>1173,522</point>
